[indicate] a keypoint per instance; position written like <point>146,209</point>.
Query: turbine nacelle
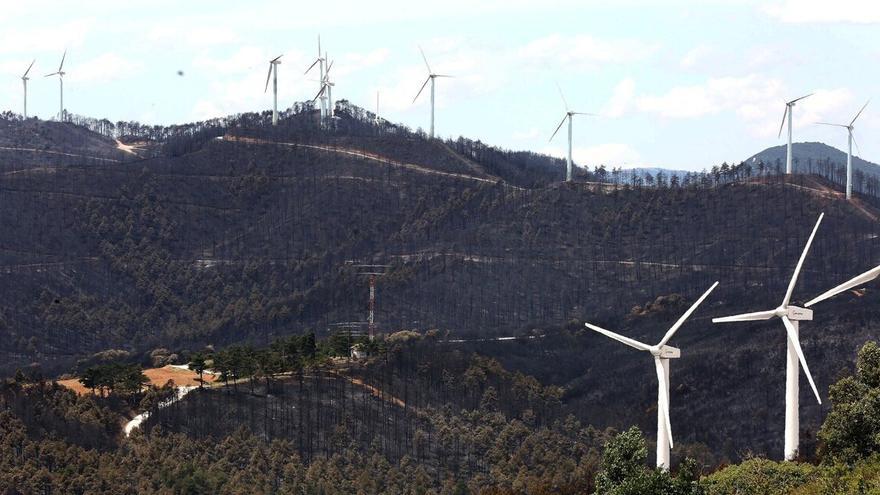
<point>665,352</point>
<point>796,313</point>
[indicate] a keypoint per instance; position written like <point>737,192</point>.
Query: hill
<point>236,231</point>
<point>819,158</point>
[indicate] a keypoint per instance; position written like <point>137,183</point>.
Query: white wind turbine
<point>790,316</point>
<point>662,354</point>
<point>326,86</point>
<point>850,140</point>
<point>851,284</point>
<point>431,77</point>
<point>331,110</point>
<point>60,73</point>
<point>320,63</point>
<point>568,115</point>
<point>273,71</point>
<point>24,79</point>
<point>789,106</point>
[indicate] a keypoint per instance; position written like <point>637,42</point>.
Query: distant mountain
<point>807,157</point>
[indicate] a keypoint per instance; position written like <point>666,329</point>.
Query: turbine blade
<point>782,124</point>
<point>663,397</point>
<point>328,69</point>
<point>756,316</point>
<point>860,112</point>
<point>854,282</point>
<point>835,125</point>
<point>268,76</point>
<point>685,316</point>
<point>28,69</point>
<point>442,75</point>
<point>312,66</point>
<point>620,338</point>
<point>793,338</point>
<point>586,113</point>
<point>858,151</point>
<point>62,60</point>
<point>425,59</point>
<point>276,59</point>
<point>319,93</point>
<point>557,128</point>
<point>801,98</point>
<point>52,74</point>
<point>797,269</point>
<point>421,89</point>
<point>564,102</point>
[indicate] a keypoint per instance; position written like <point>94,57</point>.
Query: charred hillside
<point>239,231</point>
<point>233,230</point>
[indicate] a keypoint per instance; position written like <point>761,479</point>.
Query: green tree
<point>625,472</point>
<point>198,364</point>
<point>851,430</point>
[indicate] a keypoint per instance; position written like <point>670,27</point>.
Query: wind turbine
<point>852,283</point>
<point>568,115</point>
<point>320,63</point>
<point>431,77</point>
<point>329,85</point>
<point>60,73</point>
<point>789,106</point>
<point>662,354</point>
<point>24,79</point>
<point>273,70</point>
<point>790,316</point>
<point>850,140</point>
<point>326,86</point>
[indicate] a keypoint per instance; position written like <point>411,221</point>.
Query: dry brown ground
<point>157,376</point>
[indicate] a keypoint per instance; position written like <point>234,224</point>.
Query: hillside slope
<point>247,232</point>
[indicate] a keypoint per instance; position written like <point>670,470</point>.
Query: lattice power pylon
<point>372,271</point>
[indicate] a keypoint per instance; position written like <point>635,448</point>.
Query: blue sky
<point>680,84</point>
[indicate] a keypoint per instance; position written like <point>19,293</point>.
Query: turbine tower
<point>789,106</point>
<point>568,115</point>
<point>662,354</point>
<point>431,77</point>
<point>60,73</point>
<point>790,316</point>
<point>24,79</point>
<point>331,110</point>
<point>325,87</point>
<point>850,140</point>
<point>320,63</point>
<point>273,74</point>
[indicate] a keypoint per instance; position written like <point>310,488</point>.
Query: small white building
<point>359,352</point>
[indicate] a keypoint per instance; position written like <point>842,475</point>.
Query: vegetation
<point>125,379</point>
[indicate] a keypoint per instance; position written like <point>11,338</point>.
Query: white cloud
<point>105,67</point>
<point>757,100</point>
<point>621,99</point>
<point>724,94</point>
<point>191,34</point>
<point>583,52</point>
<point>608,154</point>
<point>823,11</point>
<point>72,34</point>
<point>696,56</point>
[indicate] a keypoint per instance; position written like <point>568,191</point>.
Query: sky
<point>676,84</point>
